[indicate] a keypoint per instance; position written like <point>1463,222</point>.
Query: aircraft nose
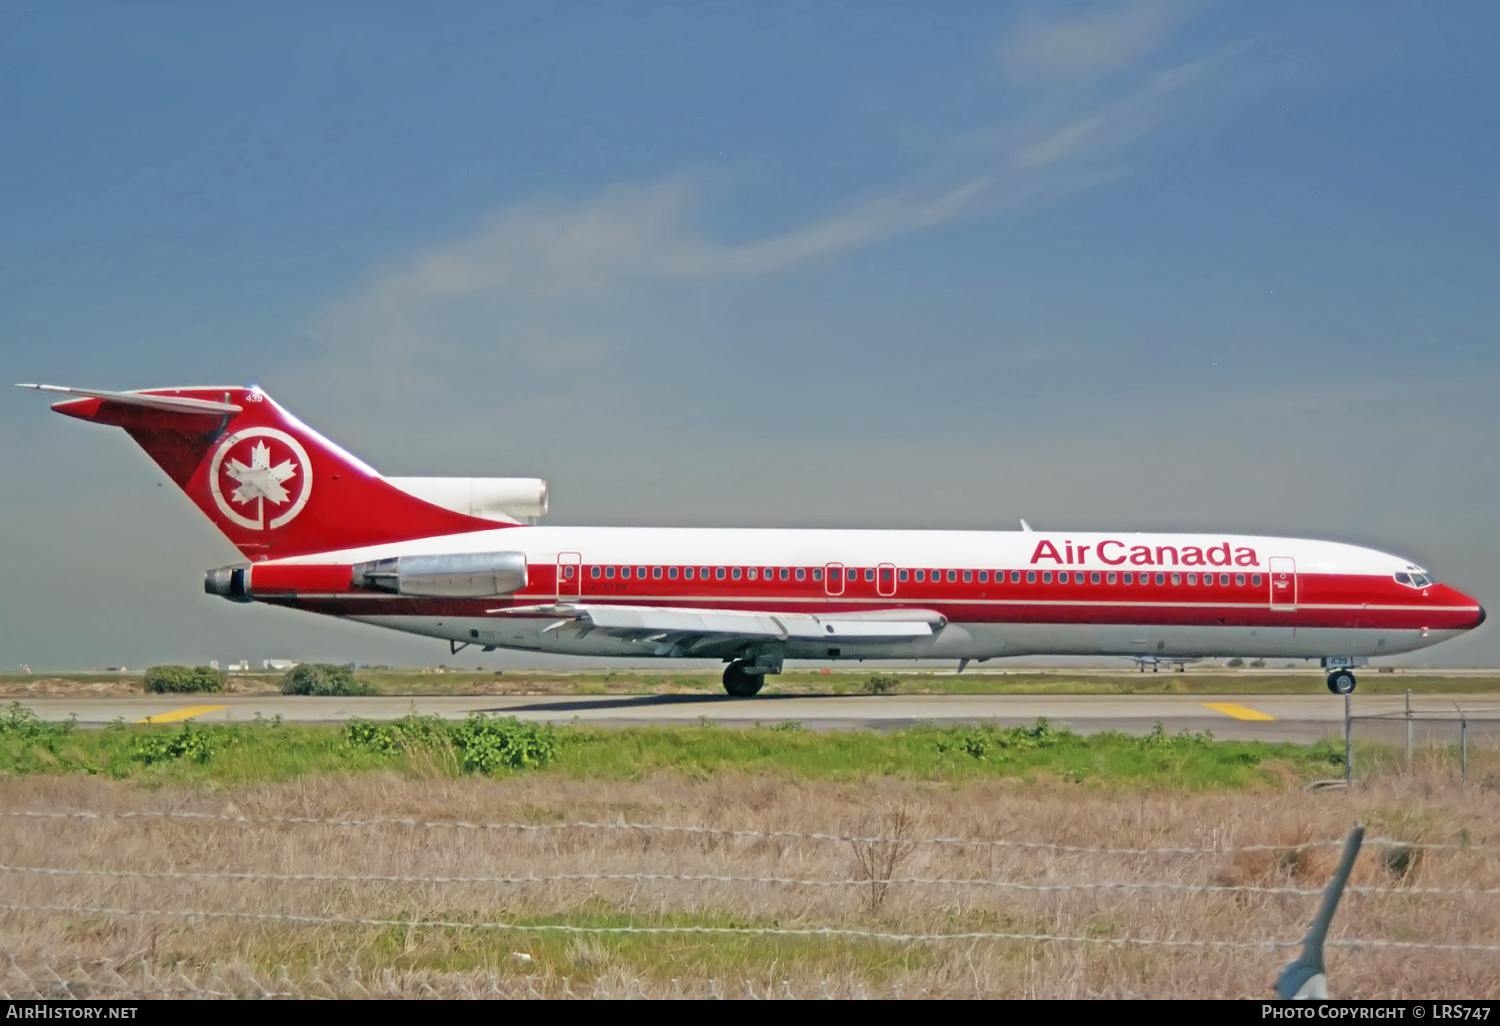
<point>1482,615</point>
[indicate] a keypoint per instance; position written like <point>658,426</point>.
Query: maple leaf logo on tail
<point>260,480</point>
<point>260,486</point>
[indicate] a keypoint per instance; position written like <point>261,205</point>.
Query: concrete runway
<point>1302,718</point>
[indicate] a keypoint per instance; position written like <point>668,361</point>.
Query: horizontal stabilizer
<point>271,484</point>
<point>176,404</point>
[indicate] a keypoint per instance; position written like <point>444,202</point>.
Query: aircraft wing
<point>700,629</point>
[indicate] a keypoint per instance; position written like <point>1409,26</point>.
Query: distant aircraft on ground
<point>1156,662</point>
<point>453,558</point>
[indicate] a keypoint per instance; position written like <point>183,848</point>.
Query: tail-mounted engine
<point>476,575</point>
<point>465,575</point>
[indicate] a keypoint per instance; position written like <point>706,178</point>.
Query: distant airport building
<point>278,664</point>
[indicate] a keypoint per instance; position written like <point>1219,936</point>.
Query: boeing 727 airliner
<point>460,559</point>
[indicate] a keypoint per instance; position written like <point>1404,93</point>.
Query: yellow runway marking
<point>1239,712</point>
<point>183,714</point>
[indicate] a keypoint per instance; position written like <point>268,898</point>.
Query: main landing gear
<point>1341,682</point>
<point>741,683</point>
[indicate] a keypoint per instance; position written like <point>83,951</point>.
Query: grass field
<point>1207,680</point>
<point>415,748</point>
<point>273,892</point>
<point>493,858</point>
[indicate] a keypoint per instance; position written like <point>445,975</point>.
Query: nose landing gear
<point>1341,682</point>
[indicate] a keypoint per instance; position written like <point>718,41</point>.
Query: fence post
<point>1349,746</point>
<point>1463,744</point>
<point>1408,729</point>
<point>1307,977</point>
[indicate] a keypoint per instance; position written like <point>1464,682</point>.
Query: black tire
<point>741,684</point>
<point>1341,682</point>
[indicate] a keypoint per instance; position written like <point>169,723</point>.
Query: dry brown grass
<point>176,955</point>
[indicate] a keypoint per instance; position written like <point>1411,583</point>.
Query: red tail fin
<point>274,486</point>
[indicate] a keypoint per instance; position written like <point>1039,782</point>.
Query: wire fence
<point>781,881</point>
<point>82,894</point>
<point>1463,740</point>
<point>765,835</point>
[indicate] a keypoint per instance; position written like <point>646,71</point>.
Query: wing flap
<point>892,624</point>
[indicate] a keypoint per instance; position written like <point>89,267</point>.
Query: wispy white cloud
<point>563,274</point>
<point>1047,49</point>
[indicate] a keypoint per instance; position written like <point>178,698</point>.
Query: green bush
<point>191,742</point>
<point>403,735</point>
<point>1236,661</point>
<point>1159,738</point>
<point>881,685</point>
<point>176,679</point>
<point>483,744</point>
<point>486,744</point>
<point>980,741</point>
<point>323,679</point>
<point>21,723</point>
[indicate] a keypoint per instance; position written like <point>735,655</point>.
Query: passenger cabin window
<point>1031,577</point>
<point>1046,576</point>
<point>609,571</point>
<point>921,576</point>
<point>1176,578</point>
<point>952,576</point>
<point>656,573</point>
<point>1127,578</point>
<point>869,575</point>
<point>968,577</point>
<point>748,573</point>
<point>1110,579</point>
<point>687,573</point>
<point>1255,580</point>
<point>1161,578</point>
<point>801,573</point>
<point>1192,578</point>
<point>640,572</point>
<point>817,574</point>
<point>1239,580</point>
<point>984,576</point>
<point>786,573</point>
<point>903,576</point>
<point>1015,577</point>
<point>737,573</point>
<point>719,574</point>
<point>1062,577</point>
<point>593,571</point>
<point>671,573</point>
<point>1094,578</point>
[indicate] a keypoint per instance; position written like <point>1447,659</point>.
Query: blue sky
<point>1175,265</point>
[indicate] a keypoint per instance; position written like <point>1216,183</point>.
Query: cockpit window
<point>1414,580</point>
